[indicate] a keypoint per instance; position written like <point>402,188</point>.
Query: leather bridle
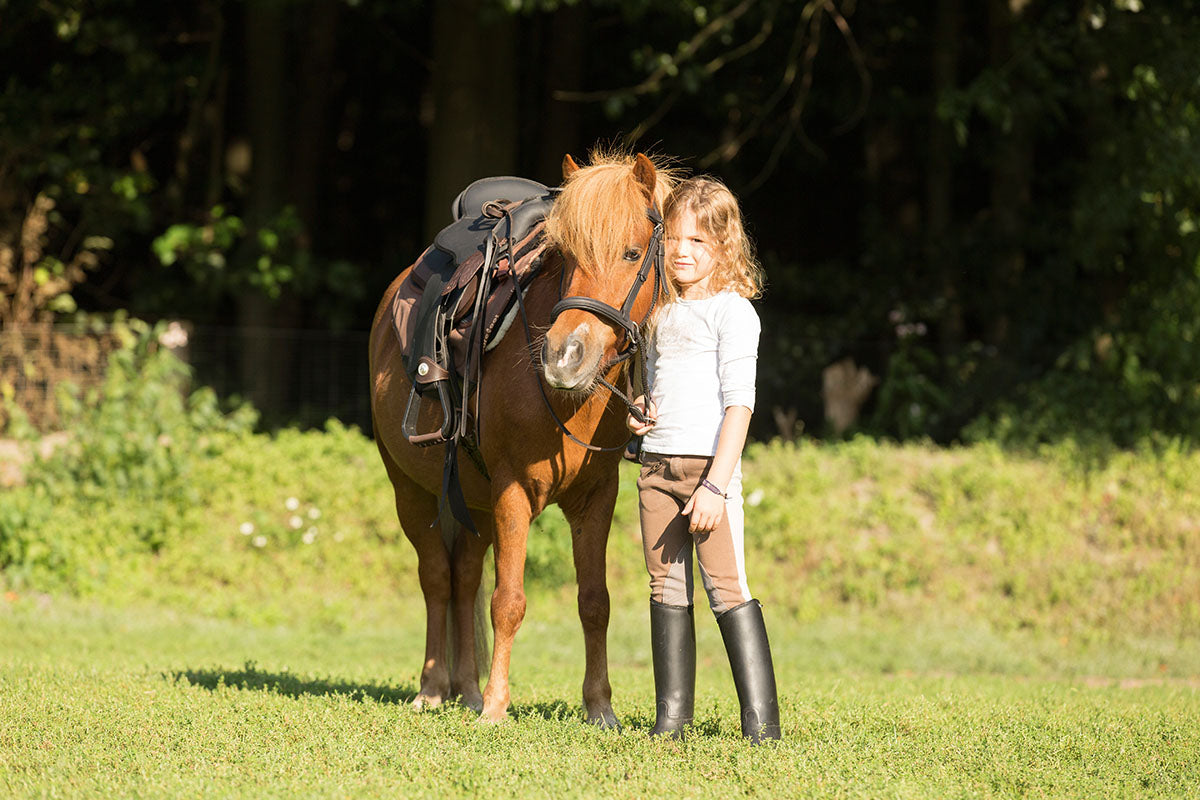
<point>623,316</point>
<point>633,342</point>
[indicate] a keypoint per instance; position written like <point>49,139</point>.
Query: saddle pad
<point>528,253</point>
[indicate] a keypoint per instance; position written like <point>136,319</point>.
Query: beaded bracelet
<point>712,487</point>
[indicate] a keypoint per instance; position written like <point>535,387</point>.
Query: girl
<point>701,367</point>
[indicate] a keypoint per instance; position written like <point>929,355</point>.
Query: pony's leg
<point>417,511</point>
<point>512,517</point>
<point>590,517</point>
<point>469,552</point>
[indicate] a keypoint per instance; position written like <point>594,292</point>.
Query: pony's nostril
<point>572,354</point>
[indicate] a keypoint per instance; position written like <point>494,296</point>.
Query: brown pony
<point>599,231</point>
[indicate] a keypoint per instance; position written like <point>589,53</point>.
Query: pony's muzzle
<point>566,363</point>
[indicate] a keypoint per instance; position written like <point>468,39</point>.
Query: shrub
<point>121,483</point>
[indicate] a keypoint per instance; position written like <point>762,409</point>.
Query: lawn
<point>98,702</point>
<point>188,608</point>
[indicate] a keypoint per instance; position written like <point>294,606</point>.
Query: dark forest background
<point>992,205</point>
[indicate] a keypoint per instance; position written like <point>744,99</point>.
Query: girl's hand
<point>649,409</point>
<point>705,509</point>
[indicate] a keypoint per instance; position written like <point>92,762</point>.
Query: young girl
<point>701,369</point>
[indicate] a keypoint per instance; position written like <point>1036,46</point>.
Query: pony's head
<point>601,225</point>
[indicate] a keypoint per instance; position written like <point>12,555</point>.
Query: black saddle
<point>457,303</point>
<point>498,189</point>
<point>480,208</point>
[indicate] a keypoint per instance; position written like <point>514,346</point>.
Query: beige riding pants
<point>664,487</point>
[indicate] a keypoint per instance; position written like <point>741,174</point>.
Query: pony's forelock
<point>601,210</point>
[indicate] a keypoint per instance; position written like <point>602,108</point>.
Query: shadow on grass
<point>250,678</point>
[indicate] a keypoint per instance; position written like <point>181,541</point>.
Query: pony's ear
<point>645,173</point>
<point>569,166</point>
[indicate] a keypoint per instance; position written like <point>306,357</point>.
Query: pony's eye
<point>633,254</point>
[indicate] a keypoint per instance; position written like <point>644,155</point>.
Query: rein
<point>633,341</point>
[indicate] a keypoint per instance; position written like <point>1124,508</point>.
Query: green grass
<point>152,702</point>
<point>190,609</point>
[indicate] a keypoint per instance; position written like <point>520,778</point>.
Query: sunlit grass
<point>945,622</point>
<point>98,703</point>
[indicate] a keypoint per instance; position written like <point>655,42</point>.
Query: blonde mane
<point>601,210</point>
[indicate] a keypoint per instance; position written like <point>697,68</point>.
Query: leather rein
<point>633,343</point>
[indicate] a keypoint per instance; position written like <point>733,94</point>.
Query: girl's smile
<point>690,253</point>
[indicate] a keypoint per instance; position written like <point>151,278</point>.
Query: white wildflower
<point>295,522</point>
<point>309,536</point>
<point>314,513</point>
<point>291,504</point>
<point>260,541</point>
<point>246,528</point>
<point>755,497</point>
<point>174,337</point>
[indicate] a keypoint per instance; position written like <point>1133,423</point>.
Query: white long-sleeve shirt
<point>702,360</point>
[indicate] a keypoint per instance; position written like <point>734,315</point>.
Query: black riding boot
<point>745,637</point>
<point>673,647</point>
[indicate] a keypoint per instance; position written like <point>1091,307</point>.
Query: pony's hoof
<point>493,717</point>
<point>472,701</point>
<point>426,702</point>
<point>605,721</point>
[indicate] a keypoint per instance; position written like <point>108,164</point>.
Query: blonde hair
<point>602,208</point>
<point>718,215</point>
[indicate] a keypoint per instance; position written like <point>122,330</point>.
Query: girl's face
<point>689,255</point>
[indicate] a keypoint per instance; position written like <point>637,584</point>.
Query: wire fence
<point>312,376</point>
<point>36,359</point>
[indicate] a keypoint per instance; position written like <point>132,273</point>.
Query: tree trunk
<point>1012,173</point>
<point>265,364</point>
<point>311,131</point>
<point>939,184</point>
<point>473,125</point>
<point>559,127</point>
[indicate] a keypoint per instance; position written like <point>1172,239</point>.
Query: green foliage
<point>1138,379</point>
<point>211,252</point>
<point>85,89</point>
<point>548,553</point>
<point>911,397</point>
<point>1107,326</point>
<point>121,484</point>
<point>1071,541</point>
<point>1057,542</point>
<point>200,247</point>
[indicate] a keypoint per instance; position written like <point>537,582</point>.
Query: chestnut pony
<point>599,231</point>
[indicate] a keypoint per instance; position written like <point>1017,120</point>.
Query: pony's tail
<point>483,650</point>
<point>483,644</point>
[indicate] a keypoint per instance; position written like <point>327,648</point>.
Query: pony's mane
<point>602,209</point>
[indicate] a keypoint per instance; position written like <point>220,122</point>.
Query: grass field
<point>215,613</point>
<point>149,702</point>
